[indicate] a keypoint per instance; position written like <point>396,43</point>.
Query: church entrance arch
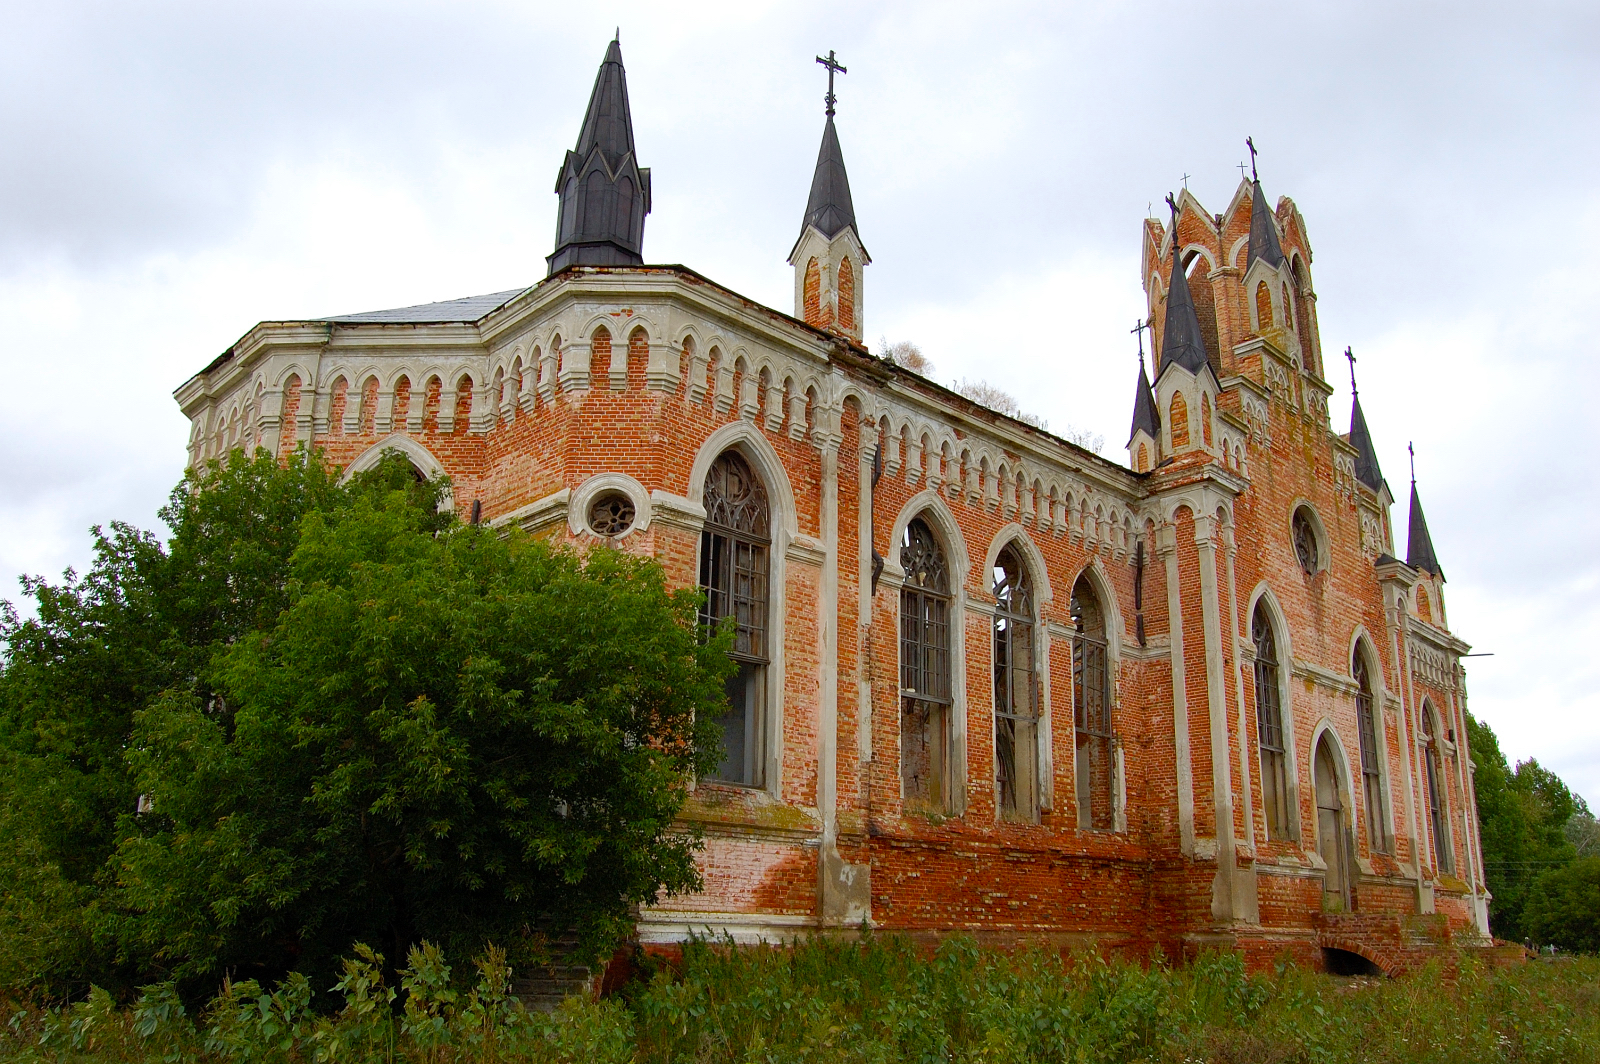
<point>1332,821</point>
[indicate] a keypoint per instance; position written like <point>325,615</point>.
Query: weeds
<point>879,1000</point>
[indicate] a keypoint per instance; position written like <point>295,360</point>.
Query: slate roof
<point>1180,337</point>
<point>829,208</point>
<point>1367,470</point>
<point>465,309</point>
<point>1419,545</point>
<point>1263,231</point>
<point>1145,415</point>
<point>608,123</point>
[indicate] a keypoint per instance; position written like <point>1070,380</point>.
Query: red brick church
<point>988,680</point>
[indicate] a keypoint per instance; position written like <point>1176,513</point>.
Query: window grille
<point>1305,543</point>
<point>925,691</point>
<point>735,549</point>
<point>1091,695</point>
<point>1438,827</point>
<point>1269,727</point>
<point>1371,777</point>
<point>1016,690</point>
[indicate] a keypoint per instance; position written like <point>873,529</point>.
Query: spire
<point>829,209</point>
<point>1180,336</point>
<point>1419,545</point>
<point>1367,470</point>
<point>1145,415</point>
<point>1263,230</point>
<point>604,192</point>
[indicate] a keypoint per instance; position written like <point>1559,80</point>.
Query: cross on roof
<point>1241,171</point>
<point>1186,182</point>
<point>1252,146</point>
<point>833,67</point>
<point>1139,330</point>
<point>1349,354</point>
<point>1413,453</point>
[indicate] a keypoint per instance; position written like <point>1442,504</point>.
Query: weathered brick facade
<point>634,379</point>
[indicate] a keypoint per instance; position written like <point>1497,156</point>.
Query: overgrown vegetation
<point>322,714</point>
<point>880,1000</point>
<point>1541,850</point>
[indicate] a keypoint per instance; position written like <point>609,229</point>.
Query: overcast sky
<point>172,173</point>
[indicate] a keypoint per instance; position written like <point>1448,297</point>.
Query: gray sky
<point>173,173</point>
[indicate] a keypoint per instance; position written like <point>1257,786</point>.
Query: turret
<point>1429,594</point>
<point>1144,438</point>
<point>828,257</point>
<point>604,192</point>
<point>1186,385</point>
<point>1268,280</point>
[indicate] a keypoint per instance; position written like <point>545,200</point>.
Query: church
<point>988,681</point>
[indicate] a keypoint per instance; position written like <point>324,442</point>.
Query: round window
<point>611,514</point>
<point>1305,542</point>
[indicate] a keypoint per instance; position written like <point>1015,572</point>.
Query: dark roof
<point>467,308</point>
<point>1419,545</point>
<point>1367,470</point>
<point>1263,231</point>
<point>1180,336</point>
<point>1145,415</point>
<point>829,209</point>
<point>605,193</point>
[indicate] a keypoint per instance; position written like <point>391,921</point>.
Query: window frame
<point>1015,624</point>
<point>1267,675</point>
<point>927,629</point>
<point>1088,648</point>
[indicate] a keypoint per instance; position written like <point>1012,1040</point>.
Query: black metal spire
<point>1180,336</point>
<point>1367,471</point>
<point>829,209</point>
<point>1145,415</point>
<point>1263,230</point>
<point>604,192</point>
<point>1419,545</point>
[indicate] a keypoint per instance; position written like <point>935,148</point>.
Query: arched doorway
<point>1331,824</point>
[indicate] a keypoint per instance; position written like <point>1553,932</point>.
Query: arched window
<point>1332,841</point>
<point>734,568</point>
<point>1423,609</point>
<point>1306,548</point>
<point>1205,418</point>
<point>1263,306</point>
<point>811,294</point>
<point>1178,419</point>
<point>1143,464</point>
<point>847,295</point>
<point>1269,726</point>
<point>1439,827</point>
<point>1016,690</point>
<point>925,600</point>
<point>1091,703</point>
<point>1371,779</point>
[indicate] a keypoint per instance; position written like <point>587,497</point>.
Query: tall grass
<point>880,999</point>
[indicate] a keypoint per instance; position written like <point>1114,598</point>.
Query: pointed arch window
<point>1439,827</point>
<point>1016,690</point>
<point>1269,726</point>
<point>1091,698</point>
<point>1371,774</point>
<point>735,558</point>
<point>925,688</point>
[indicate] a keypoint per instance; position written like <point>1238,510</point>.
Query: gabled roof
<point>829,209</point>
<point>1419,545</point>
<point>1263,231</point>
<point>1181,340</point>
<point>1145,415</point>
<point>465,309</point>
<point>1367,471</point>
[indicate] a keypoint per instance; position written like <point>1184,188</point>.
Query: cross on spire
<point>1251,144</point>
<point>1139,329</point>
<point>1351,356</point>
<point>1186,181</point>
<point>1412,451</point>
<point>834,67</point>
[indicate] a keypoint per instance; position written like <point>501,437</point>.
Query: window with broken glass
<point>1269,727</point>
<point>1091,697</point>
<point>735,549</point>
<point>1371,778</point>
<point>925,690</point>
<point>1439,827</point>
<point>1016,690</point>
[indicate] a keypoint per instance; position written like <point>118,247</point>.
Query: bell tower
<point>829,258</point>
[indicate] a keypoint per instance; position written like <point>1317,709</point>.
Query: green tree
<point>1563,909</point>
<point>345,716</point>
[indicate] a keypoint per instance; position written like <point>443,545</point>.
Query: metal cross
<point>1352,357</point>
<point>1252,146</point>
<point>1186,182</point>
<point>1139,329</point>
<point>1241,171</point>
<point>1412,452</point>
<point>833,67</point>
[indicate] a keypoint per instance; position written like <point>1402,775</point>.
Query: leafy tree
<point>1523,816</point>
<point>1563,909</point>
<point>324,713</point>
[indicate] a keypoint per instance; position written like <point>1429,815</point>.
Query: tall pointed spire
<point>1145,416</point>
<point>1263,230</point>
<point>604,192</point>
<point>829,209</point>
<point>1180,335</point>
<point>1419,545</point>
<point>1367,471</point>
